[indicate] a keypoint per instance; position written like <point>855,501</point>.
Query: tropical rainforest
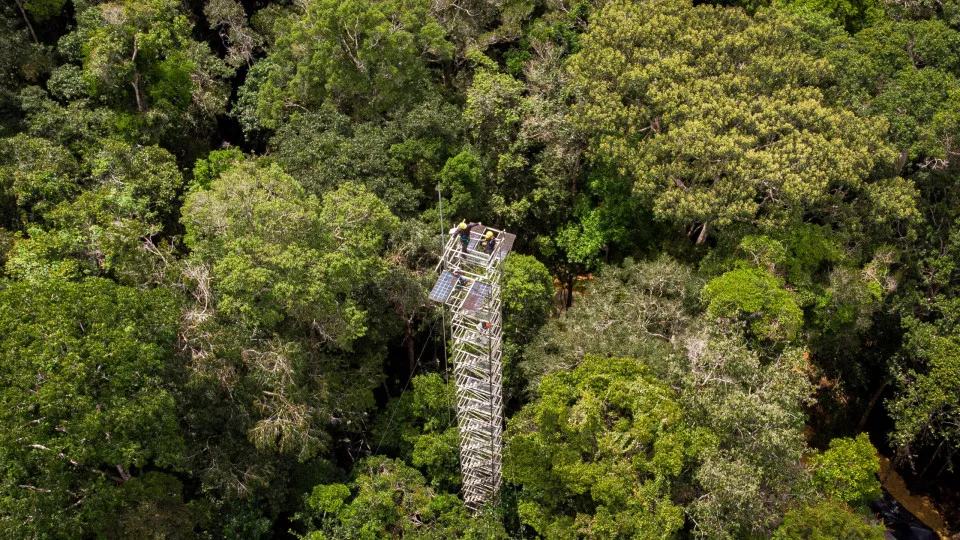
<point>735,285</point>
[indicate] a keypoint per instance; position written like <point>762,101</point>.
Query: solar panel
<point>505,244</point>
<point>475,298</point>
<point>475,239</point>
<point>444,287</point>
<point>475,242</point>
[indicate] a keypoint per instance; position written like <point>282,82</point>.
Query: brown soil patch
<point>918,505</point>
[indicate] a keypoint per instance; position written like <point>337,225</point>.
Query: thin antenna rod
<point>443,312</point>
<point>440,199</point>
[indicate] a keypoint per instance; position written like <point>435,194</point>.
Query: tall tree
<point>113,227</point>
<point>752,403</point>
<point>139,57</point>
<point>636,309</point>
<point>927,377</point>
<point>365,57</point>
<point>87,371</point>
<point>599,453</point>
<point>291,315</point>
<point>389,499</point>
<point>717,132</point>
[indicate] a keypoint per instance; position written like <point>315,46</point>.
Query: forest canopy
<point>734,285</point>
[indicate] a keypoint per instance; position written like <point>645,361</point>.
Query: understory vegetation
<point>736,279</point>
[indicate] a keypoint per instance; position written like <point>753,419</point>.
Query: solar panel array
<point>444,287</point>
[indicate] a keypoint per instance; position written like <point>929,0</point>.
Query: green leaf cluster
<point>87,397</point>
<point>757,298</point>
<point>598,453</point>
<point>344,52</point>
<point>389,499</point>
<point>847,471</point>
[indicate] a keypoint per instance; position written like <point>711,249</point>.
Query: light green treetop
<point>759,299</point>
<point>698,106</point>
<point>598,453</point>
<point>847,471</point>
<point>277,252</point>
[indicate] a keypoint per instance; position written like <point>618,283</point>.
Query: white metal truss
<point>470,286</point>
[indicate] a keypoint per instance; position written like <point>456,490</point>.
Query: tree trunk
<point>902,160</point>
<point>27,20</point>
<point>408,338</point>
<point>870,406</point>
<point>571,281</point>
<point>136,75</point>
<point>136,92</point>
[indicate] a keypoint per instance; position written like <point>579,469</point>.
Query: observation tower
<point>469,285</point>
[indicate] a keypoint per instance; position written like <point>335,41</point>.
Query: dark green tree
<point>113,227</point>
<point>88,401</point>
<point>288,328</point>
<point>140,58</point>
<point>364,57</point>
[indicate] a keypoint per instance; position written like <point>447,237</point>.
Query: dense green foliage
<point>87,397</point>
<point>389,499</point>
<point>598,453</point>
<point>847,471</point>
<point>755,295</point>
<point>735,281</point>
<point>824,521</point>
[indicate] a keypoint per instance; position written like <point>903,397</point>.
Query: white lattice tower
<point>470,286</point>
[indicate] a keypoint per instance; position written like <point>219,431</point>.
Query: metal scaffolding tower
<point>469,285</point>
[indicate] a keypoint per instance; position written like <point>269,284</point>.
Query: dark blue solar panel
<point>444,286</point>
